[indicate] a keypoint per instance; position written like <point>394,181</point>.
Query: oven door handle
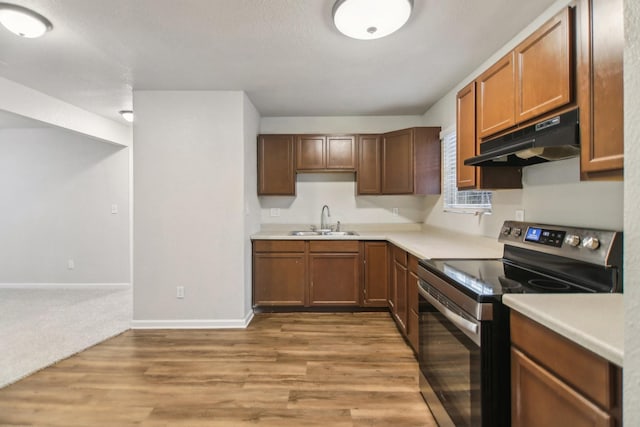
<point>456,319</point>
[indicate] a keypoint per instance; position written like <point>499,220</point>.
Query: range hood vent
<point>553,139</point>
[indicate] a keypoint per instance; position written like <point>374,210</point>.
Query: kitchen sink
<point>323,233</point>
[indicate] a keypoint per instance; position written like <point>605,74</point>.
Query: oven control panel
<point>596,246</point>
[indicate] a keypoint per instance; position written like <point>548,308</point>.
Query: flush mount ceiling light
<point>127,115</point>
<point>370,19</point>
<point>22,21</point>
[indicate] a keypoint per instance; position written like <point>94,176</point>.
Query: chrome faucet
<point>323,224</point>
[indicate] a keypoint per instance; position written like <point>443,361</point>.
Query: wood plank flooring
<point>287,369</point>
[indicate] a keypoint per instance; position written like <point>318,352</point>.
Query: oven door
<point>450,360</point>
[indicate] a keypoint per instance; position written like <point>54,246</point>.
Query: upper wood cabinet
<point>276,175</point>
<point>466,135</point>
<point>544,77</point>
<point>368,176</point>
<point>530,81</point>
<point>322,153</point>
<point>410,161</point>
<point>468,145</point>
<point>600,28</point>
<point>496,97</point>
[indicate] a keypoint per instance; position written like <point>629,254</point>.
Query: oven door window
<point>450,361</point>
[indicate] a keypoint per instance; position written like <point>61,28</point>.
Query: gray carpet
<point>39,327</point>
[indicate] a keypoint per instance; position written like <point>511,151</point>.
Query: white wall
<point>189,222</point>
<point>338,189</point>
<point>552,192</point>
<point>56,192</point>
<point>631,216</point>
<point>251,120</point>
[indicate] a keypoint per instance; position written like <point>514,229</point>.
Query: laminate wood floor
<point>292,369</point>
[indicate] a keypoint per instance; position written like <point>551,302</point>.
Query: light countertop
<point>422,242</point>
<point>594,321</point>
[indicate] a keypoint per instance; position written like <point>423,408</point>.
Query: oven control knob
<point>506,231</point>
<point>517,232</point>
<point>572,240</point>
<point>591,243</point>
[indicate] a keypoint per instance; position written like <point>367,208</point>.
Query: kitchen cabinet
<point>325,153</point>
<point>369,164</point>
<point>467,145</point>
<point>279,273</point>
<point>555,382</point>
<point>334,272</point>
<point>376,274</point>
<point>496,97</point>
<point>400,278</point>
<point>544,76</point>
<point>410,161</point>
<point>412,303</point>
<point>276,174</point>
<point>600,29</point>
<point>306,273</point>
<point>533,79</point>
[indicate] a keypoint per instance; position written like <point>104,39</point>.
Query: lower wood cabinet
<point>412,303</point>
<point>555,382</point>
<point>334,273</point>
<point>279,273</point>
<point>400,276</point>
<point>376,274</point>
<point>405,294</point>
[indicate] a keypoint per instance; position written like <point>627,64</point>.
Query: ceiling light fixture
<point>370,19</point>
<point>127,115</point>
<point>23,22</point>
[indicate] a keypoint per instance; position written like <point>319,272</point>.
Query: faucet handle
<point>338,226</point>
<point>312,227</point>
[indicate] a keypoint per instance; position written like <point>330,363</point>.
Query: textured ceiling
<point>286,54</point>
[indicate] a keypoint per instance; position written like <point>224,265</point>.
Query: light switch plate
<point>520,215</point>
<point>275,212</point>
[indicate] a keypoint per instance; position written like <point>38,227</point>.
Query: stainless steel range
<point>464,328</point>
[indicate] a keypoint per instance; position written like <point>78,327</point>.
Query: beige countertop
<point>594,321</point>
<point>420,241</point>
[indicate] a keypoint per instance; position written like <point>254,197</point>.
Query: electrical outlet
<point>275,212</point>
<point>394,211</point>
<point>71,264</point>
<point>520,215</point>
<point>180,292</point>
<point>114,209</point>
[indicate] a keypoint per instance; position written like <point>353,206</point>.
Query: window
<point>469,201</point>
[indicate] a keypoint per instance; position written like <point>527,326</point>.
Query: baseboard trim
<point>64,285</point>
<point>194,323</point>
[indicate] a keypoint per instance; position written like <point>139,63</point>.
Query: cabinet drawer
<point>590,374</point>
<point>400,256</point>
<point>278,245</point>
<point>334,246</point>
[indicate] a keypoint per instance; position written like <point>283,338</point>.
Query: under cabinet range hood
<point>553,139</point>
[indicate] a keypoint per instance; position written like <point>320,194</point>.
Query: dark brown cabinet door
<point>544,72</point>
<point>334,279</point>
<point>400,285</point>
<point>279,279</point>
<point>276,175</point>
<point>600,88</point>
<point>466,136</point>
<point>496,97</point>
<point>369,164</point>
<point>539,398</point>
<point>310,152</point>
<point>397,162</point>
<point>376,274</point>
<point>341,152</point>
<point>412,303</point>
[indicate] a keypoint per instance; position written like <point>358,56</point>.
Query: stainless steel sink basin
<point>305,233</point>
<point>323,233</point>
